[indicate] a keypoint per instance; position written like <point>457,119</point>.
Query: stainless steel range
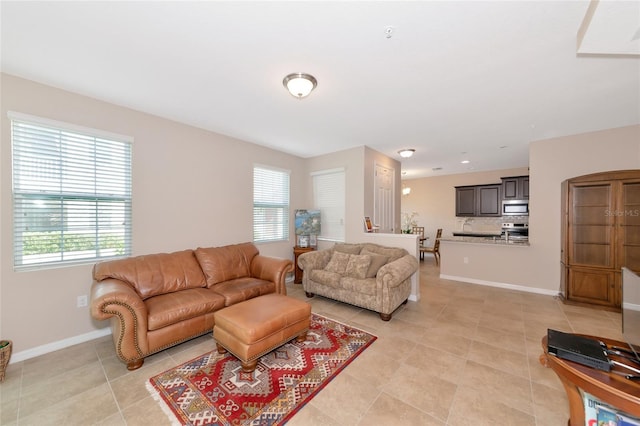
<point>516,231</point>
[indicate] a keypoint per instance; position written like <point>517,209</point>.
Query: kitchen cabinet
<point>478,200</point>
<point>515,188</point>
<point>600,234</point>
<point>465,201</point>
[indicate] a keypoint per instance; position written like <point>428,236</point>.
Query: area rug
<point>213,390</point>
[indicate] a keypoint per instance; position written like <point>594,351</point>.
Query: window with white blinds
<point>71,193</point>
<point>270,204</point>
<point>329,198</point>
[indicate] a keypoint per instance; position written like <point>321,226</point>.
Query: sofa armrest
<point>115,300</point>
<point>272,269</point>
<point>314,259</point>
<point>394,273</point>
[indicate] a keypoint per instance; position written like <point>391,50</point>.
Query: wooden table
<point>297,251</point>
<point>615,390</point>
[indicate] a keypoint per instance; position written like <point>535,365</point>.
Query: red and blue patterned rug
<point>213,390</point>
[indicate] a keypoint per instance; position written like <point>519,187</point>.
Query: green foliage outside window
<point>54,242</point>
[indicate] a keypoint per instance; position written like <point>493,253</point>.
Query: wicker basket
<point>5,354</point>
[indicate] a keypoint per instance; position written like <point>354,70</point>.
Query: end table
<point>297,251</point>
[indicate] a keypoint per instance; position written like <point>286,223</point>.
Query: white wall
<point>190,188</point>
<point>555,160</point>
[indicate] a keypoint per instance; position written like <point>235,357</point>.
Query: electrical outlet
<point>82,301</point>
<point>465,259</point>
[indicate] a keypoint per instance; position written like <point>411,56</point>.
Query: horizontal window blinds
<point>270,204</point>
<point>71,195</point>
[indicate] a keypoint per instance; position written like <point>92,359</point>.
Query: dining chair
<point>435,249</point>
<point>419,230</point>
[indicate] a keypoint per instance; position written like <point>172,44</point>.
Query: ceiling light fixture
<point>300,84</point>
<point>406,153</point>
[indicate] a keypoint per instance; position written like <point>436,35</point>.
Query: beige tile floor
<point>463,355</point>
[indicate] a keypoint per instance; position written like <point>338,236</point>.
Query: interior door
<point>383,198</point>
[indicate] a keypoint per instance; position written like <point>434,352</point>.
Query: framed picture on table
<point>303,241</point>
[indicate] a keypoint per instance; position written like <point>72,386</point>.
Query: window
<point>329,198</point>
<point>71,193</point>
<point>270,204</point>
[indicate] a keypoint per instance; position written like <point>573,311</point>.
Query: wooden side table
<point>611,388</point>
<point>297,251</point>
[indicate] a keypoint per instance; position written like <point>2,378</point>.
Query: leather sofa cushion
<point>168,309</point>
<point>226,263</point>
<point>241,289</point>
<point>154,274</point>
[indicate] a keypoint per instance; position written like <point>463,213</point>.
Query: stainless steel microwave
<point>515,208</point>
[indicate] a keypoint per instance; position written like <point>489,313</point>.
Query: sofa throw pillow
<point>338,263</point>
<point>358,266</point>
<point>377,262</point>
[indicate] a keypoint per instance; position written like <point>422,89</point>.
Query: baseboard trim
<point>65,343</point>
<point>60,344</point>
<point>501,285</point>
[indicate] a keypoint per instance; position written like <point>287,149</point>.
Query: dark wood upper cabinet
<point>478,200</point>
<point>465,201</point>
<point>515,188</point>
<point>489,200</point>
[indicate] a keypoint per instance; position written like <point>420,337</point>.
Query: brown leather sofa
<point>160,300</point>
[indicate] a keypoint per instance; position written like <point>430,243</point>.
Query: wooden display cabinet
<point>600,235</point>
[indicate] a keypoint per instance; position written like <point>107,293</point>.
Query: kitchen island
<point>485,261</point>
<point>493,240</point>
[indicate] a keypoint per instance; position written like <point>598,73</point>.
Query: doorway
<point>383,211</point>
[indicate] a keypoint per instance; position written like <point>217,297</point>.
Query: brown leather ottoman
<point>257,326</point>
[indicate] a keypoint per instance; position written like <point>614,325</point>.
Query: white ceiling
<point>456,80</point>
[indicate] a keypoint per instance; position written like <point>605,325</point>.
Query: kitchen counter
<point>485,240</point>
<point>477,234</point>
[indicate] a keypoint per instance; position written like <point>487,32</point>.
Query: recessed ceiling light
<point>435,169</point>
<point>465,161</point>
